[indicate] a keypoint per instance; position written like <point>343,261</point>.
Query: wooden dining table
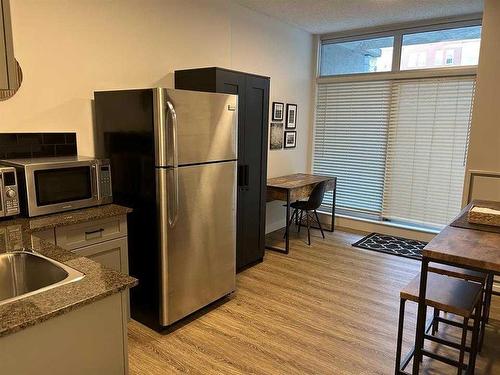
<point>461,246</point>
<point>295,187</point>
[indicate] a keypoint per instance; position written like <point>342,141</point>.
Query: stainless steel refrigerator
<point>173,160</point>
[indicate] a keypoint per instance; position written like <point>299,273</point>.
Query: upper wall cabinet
<point>10,73</point>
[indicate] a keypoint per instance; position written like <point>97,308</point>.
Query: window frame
<point>397,31</point>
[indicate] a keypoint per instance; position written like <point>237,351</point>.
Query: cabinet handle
<point>247,168</point>
<point>241,175</point>
<point>95,231</point>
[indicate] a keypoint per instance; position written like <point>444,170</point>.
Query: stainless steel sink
<point>24,273</point>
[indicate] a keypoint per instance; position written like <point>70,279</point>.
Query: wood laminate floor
<point>328,308</point>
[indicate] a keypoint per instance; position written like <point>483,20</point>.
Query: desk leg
<point>285,250</point>
<point>419,333</point>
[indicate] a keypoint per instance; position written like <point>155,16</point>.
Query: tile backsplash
<point>34,145</point>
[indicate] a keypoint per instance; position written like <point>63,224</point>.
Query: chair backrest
<point>316,197</point>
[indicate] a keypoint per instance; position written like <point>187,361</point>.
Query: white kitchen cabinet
<point>89,340</point>
<point>104,241</point>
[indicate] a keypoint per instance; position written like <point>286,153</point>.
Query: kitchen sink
<point>24,273</point>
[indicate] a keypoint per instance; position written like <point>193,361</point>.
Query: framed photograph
<point>278,111</point>
<point>291,116</point>
<point>290,139</point>
<point>276,138</point>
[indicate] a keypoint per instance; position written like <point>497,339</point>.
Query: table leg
<point>419,333</point>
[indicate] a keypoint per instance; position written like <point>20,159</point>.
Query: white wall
<point>68,49</point>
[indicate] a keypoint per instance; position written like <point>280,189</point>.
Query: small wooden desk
<point>459,247</point>
<point>295,187</point>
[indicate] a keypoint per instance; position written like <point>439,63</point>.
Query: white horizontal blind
<point>350,141</point>
<point>427,142</point>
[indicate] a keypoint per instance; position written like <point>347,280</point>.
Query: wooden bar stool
<point>469,275</point>
<point>453,295</point>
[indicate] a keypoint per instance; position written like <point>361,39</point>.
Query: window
<point>427,141</point>
<point>441,46</point>
<point>392,119</point>
<point>349,142</point>
<point>361,56</point>
<point>397,146</point>
<point>461,45</point>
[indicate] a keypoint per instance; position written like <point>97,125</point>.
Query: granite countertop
<point>70,217</point>
<point>99,281</point>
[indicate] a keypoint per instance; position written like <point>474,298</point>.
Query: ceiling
<point>324,16</point>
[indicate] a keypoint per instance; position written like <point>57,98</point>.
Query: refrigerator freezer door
<point>198,257</point>
<point>194,127</point>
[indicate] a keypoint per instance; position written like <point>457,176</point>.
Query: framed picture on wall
<point>276,138</point>
<point>291,116</point>
<point>290,139</point>
<point>278,110</point>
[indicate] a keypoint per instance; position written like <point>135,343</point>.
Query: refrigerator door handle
<point>173,129</point>
<point>173,212</point>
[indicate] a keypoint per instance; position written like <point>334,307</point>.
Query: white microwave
<point>57,184</point>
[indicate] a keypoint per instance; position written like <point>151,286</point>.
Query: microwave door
<point>54,189</point>
<point>64,185</point>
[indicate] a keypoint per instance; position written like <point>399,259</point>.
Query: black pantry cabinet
<point>253,107</point>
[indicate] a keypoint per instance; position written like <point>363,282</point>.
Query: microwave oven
<point>57,184</point>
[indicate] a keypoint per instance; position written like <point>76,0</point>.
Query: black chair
<point>309,207</point>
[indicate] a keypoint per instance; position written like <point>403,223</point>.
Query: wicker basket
<point>484,216</point>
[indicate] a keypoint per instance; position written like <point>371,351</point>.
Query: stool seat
<point>446,293</point>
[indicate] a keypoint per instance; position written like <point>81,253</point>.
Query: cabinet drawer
<point>79,235</point>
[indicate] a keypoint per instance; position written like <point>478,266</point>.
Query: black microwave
<point>57,184</point>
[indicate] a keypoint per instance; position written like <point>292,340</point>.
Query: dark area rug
<point>399,246</point>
